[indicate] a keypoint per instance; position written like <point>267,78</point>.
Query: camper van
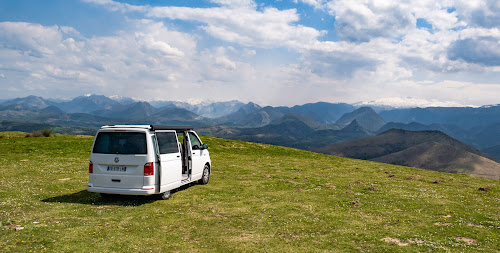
<point>146,160</point>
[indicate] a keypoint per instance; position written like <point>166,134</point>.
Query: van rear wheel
<point>165,195</point>
<point>206,175</point>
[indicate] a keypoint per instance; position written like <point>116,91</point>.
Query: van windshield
<point>120,143</point>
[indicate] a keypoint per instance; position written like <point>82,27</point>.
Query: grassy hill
<point>431,150</point>
<point>259,198</point>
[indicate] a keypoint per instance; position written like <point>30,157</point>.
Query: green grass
<point>259,198</point>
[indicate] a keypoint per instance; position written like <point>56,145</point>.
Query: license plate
<point>117,168</point>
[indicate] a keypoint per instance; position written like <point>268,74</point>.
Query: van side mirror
<point>204,146</point>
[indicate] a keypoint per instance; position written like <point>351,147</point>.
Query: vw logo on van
<point>117,159</point>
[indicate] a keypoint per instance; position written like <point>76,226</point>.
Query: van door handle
<point>178,156</point>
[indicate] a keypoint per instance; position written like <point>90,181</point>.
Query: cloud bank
<point>252,51</point>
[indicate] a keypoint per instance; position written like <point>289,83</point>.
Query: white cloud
<point>235,3</point>
<point>317,4</point>
<point>117,6</point>
<point>479,13</point>
<point>359,21</point>
<point>482,50</point>
<point>379,52</point>
<point>33,39</point>
<point>465,93</point>
<point>239,22</point>
<point>148,61</point>
<point>47,57</point>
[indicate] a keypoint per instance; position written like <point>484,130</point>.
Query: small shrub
<point>34,134</point>
<point>44,133</point>
<point>47,132</point>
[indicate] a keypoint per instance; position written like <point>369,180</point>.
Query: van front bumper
<point>147,190</point>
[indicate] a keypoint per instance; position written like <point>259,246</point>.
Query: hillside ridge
<point>431,150</point>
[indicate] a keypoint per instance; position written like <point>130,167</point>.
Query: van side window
<point>167,141</point>
<point>120,143</point>
<point>195,142</point>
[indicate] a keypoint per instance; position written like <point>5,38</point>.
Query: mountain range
<point>309,126</point>
<point>431,150</point>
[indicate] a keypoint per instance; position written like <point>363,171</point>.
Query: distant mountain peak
<point>354,127</point>
<point>29,102</point>
<point>365,116</point>
<point>353,123</point>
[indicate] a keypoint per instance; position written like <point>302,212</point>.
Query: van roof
<point>165,127</point>
<point>151,127</point>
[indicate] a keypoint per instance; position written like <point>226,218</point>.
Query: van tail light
<point>149,169</point>
<point>91,167</point>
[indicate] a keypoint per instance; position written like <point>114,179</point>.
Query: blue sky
<point>444,53</point>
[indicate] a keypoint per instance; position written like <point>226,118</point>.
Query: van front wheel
<point>165,195</point>
<point>206,175</point>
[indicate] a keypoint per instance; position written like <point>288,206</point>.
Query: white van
<point>146,160</point>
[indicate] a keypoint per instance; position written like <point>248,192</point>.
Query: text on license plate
<point>117,168</point>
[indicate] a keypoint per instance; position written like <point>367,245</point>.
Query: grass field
<point>260,198</point>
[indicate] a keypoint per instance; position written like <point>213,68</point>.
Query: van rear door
<point>170,160</point>
<point>119,158</point>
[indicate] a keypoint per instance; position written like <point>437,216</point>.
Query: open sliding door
<point>170,170</point>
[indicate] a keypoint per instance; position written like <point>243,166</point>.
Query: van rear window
<point>126,143</point>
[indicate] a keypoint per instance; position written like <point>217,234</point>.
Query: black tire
<point>165,195</point>
<point>206,175</point>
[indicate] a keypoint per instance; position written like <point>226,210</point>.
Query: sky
<point>442,52</point>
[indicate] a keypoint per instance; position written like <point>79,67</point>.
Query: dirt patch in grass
<point>331,186</point>
<point>470,224</point>
<point>14,227</point>
<point>467,240</point>
<point>442,224</point>
<point>398,241</point>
